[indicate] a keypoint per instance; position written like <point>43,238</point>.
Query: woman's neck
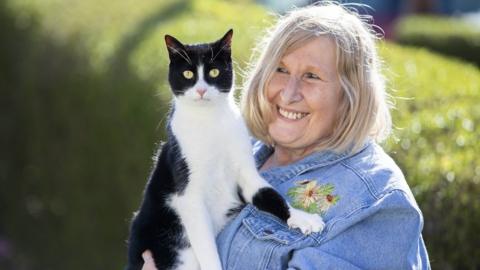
<point>282,156</point>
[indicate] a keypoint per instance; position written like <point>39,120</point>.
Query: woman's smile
<point>291,114</point>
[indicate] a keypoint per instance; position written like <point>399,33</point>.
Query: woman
<point>315,100</point>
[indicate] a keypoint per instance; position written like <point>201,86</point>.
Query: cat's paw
<point>306,222</point>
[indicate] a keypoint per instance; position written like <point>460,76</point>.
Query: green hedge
<point>447,35</point>
<point>436,143</point>
<point>83,98</point>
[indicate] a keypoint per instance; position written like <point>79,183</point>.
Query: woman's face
<point>305,90</point>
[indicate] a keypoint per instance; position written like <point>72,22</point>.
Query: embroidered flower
<point>311,197</point>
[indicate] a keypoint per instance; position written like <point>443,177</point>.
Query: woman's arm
<point>386,235</point>
<point>148,259</point>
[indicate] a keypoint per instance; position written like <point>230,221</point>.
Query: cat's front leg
<point>261,194</point>
<point>269,200</point>
<point>306,222</point>
<point>199,228</point>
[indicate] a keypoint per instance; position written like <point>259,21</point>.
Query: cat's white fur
<point>217,149</point>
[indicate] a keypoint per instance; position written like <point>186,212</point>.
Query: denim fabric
<point>375,224</point>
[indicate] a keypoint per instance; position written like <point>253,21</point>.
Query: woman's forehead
<point>319,52</point>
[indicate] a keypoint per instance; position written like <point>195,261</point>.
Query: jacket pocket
<point>267,227</point>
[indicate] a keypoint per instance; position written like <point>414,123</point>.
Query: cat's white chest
<point>205,137</point>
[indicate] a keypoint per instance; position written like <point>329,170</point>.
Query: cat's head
<point>201,73</point>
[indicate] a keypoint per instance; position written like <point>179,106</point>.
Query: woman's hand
<point>148,259</point>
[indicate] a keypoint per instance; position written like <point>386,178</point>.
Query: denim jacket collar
<point>278,175</point>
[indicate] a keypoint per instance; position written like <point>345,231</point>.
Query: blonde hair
<point>364,111</point>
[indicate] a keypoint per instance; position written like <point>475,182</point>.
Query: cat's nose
<point>201,91</point>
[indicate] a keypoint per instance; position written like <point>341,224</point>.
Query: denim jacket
<point>371,218</point>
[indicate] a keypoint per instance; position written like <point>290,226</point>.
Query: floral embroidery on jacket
<point>312,197</point>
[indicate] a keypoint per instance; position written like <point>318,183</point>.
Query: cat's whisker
<point>183,54</point>
<point>225,45</point>
<point>189,60</point>
<point>161,122</point>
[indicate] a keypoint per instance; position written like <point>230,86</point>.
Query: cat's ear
<point>173,45</point>
<point>226,41</point>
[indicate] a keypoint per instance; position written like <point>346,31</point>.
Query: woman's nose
<point>291,92</point>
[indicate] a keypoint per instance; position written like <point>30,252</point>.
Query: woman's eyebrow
<point>318,69</point>
<point>313,66</point>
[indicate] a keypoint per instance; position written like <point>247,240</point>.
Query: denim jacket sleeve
<point>384,235</point>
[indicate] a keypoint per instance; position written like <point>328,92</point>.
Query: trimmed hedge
<point>436,143</point>
<point>447,35</point>
<point>83,98</point>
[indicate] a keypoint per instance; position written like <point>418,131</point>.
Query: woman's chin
<point>284,136</point>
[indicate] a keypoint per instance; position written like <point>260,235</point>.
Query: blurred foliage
<point>436,143</point>
<point>83,99</point>
<point>447,35</point>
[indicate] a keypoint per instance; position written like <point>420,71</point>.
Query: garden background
<point>83,96</point>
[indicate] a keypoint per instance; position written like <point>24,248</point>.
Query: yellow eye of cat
<point>214,72</point>
<point>188,74</point>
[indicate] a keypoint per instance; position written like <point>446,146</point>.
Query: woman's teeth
<point>291,115</point>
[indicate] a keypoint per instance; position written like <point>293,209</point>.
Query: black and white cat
<point>205,170</point>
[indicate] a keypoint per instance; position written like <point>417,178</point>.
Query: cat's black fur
<point>157,226</point>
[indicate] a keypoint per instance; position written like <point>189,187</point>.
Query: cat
<point>205,170</point>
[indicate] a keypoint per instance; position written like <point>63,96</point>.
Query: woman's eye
<point>282,70</point>
<point>310,75</point>
<point>214,72</point>
<point>188,74</point>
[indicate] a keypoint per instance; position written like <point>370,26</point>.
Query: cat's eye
<point>188,74</point>
<point>214,72</point>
